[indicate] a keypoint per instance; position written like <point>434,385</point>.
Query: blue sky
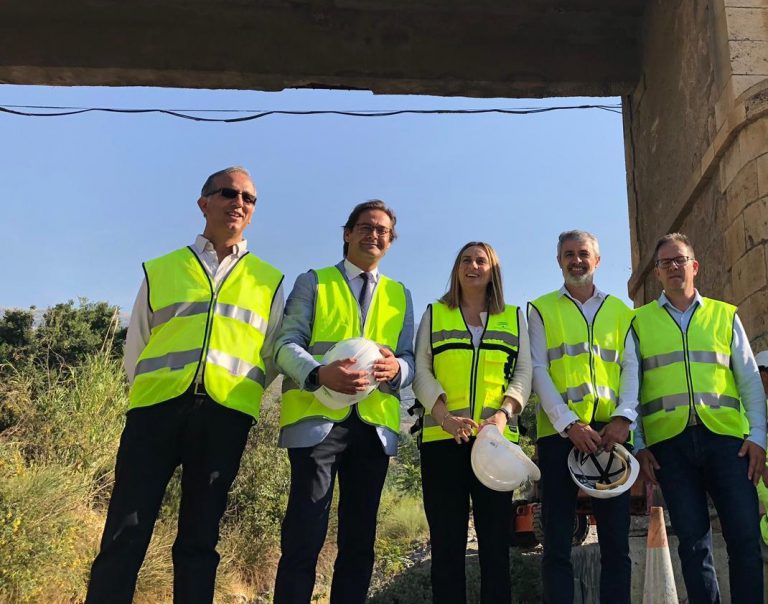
<point>86,198</point>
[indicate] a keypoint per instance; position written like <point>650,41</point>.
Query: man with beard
<point>579,340</point>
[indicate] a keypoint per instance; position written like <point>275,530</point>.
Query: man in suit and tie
<point>326,306</point>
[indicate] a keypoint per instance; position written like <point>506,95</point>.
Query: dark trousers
<point>558,506</point>
<point>353,451</point>
<point>448,484</point>
<point>207,439</point>
<point>694,463</point>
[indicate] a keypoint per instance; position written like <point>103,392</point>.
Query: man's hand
<point>584,437</point>
<point>648,465</point>
<point>615,432</point>
<point>338,377</point>
<point>386,369</point>
<point>756,456</point>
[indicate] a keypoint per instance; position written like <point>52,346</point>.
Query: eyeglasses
<point>369,229</point>
<point>677,261</point>
<point>228,193</point>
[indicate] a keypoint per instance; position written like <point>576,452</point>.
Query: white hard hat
<point>365,352</point>
<point>604,474</point>
<point>499,464</point>
<point>762,358</point>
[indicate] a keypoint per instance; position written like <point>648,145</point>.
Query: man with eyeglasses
<point>702,409</point>
<point>579,338</point>
<point>328,305</point>
<point>198,357</point>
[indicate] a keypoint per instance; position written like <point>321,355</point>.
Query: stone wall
<point>696,135</point>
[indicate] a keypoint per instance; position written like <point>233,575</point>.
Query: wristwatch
<point>313,380</point>
<point>506,413</point>
<point>569,426</point>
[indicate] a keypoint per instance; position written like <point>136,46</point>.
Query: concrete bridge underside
<point>693,75</point>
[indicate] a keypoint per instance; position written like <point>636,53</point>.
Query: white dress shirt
<point>558,412</point>
<point>141,317</point>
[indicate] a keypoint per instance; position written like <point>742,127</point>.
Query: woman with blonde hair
<point>473,368</point>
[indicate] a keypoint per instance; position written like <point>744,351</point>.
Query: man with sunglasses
<point>350,299</point>
<point>198,356</point>
<point>703,431</point>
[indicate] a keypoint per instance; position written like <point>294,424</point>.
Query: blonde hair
<point>494,293</point>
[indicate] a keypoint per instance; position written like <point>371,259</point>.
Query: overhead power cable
<point>255,114</point>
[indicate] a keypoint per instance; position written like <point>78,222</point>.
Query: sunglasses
<point>228,193</point>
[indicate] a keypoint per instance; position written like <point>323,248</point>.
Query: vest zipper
<point>590,342</point>
<point>686,361</point>
<point>474,364</point>
<point>209,320</point>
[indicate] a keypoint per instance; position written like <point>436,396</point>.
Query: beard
<point>578,280</point>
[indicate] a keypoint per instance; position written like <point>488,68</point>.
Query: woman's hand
<point>461,428</point>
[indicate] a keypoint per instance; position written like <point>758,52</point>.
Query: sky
<point>87,198</point>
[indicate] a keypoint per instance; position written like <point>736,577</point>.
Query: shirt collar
<point>598,294</point>
<point>353,271</point>
<point>203,245</point>
<point>664,301</point>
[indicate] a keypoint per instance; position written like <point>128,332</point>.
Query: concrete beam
<point>481,48</point>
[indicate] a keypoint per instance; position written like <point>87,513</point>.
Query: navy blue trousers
<point>353,452</point>
<point>694,463</point>
<point>559,494</point>
<point>207,440</point>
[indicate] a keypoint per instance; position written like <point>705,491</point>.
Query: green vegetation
<point>62,403</point>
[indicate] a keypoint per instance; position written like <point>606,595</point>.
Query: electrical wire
<point>254,114</point>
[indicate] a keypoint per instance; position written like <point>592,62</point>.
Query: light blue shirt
<point>744,369</point>
<point>295,362</point>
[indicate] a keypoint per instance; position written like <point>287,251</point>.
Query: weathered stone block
<point>747,23</point>
<point>754,139</point>
<point>750,274</point>
<point>749,57</point>
<point>753,315</point>
<point>762,174</point>
<point>738,3</point>
<point>742,190</point>
<point>756,223</point>
<point>735,240</point>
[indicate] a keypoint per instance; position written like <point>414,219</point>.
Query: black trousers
<point>448,483</point>
<point>207,439</point>
<point>353,451</point>
<point>558,506</point>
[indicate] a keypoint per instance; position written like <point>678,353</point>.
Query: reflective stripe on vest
<point>686,373</point>
<point>190,322</point>
<point>584,360</point>
<point>474,380</point>
<point>337,317</point>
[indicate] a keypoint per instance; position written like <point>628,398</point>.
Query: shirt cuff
<point>564,420</point>
<point>394,383</point>
<point>757,437</point>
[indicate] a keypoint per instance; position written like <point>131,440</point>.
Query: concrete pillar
<point>696,138</point>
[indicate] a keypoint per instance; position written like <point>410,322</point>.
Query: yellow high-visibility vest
<point>689,372</point>
<point>192,323</point>
<point>584,360</point>
<point>338,317</point>
<point>474,380</point>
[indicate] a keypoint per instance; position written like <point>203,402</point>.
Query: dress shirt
<point>295,362</point>
<point>141,316</point>
<point>743,365</point>
<point>425,385</point>
<point>558,412</point>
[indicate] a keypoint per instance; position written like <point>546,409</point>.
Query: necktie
<point>365,294</point>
